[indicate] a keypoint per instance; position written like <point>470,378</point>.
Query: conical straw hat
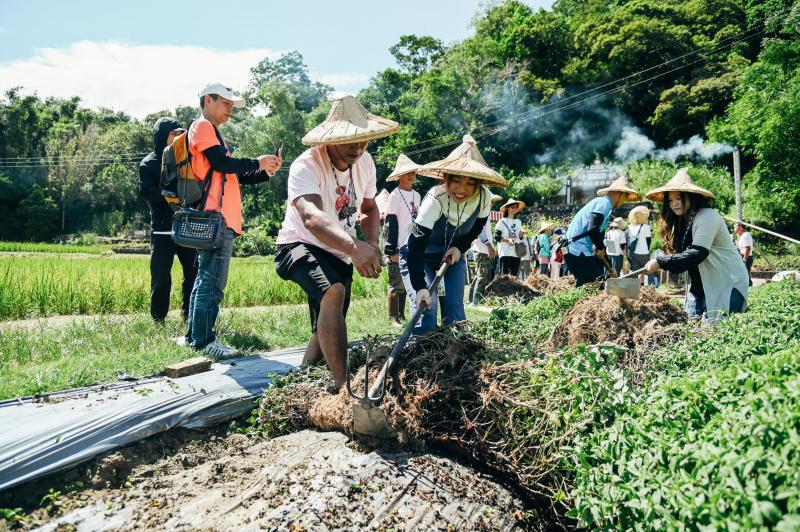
<point>680,183</point>
<point>403,166</point>
<point>496,198</point>
<point>639,215</point>
<point>465,160</point>
<point>621,184</point>
<point>510,202</point>
<point>544,226</point>
<point>349,122</point>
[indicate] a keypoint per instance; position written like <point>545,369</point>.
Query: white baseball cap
<point>225,92</point>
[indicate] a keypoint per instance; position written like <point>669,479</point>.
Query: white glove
<point>423,297</point>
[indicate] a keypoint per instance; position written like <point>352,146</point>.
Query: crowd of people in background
<point>331,228</point>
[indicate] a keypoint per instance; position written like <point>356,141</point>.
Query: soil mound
<point>303,481</point>
<point>649,321</point>
<point>508,286</point>
<point>545,284</point>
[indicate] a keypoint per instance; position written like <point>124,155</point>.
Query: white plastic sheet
<point>41,438</point>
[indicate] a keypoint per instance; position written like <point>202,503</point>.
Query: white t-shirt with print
<point>509,228</point>
<point>404,204</point>
<point>641,239</point>
<point>342,193</point>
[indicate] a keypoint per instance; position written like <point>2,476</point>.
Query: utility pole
<point>737,182</point>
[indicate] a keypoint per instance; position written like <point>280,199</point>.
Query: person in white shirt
<point>745,245</point>
<point>639,238</point>
<point>526,260</point>
<point>332,187</point>
<point>616,243</point>
<point>697,240</point>
<point>404,203</point>
<point>508,233</point>
<point>483,246</point>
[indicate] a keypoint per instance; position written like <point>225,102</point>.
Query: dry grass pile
<point>453,392</point>
<point>506,286</point>
<point>641,323</point>
<point>546,285</point>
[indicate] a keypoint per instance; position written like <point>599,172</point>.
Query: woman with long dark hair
<point>696,240</point>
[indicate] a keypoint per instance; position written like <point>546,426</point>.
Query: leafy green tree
<point>291,70</point>
<point>415,55</point>
<point>39,213</point>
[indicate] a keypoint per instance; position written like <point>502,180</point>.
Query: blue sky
<point>117,54</point>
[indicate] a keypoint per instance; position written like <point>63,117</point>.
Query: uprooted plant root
<point>453,392</point>
<point>506,286</point>
<point>544,284</point>
<point>649,321</point>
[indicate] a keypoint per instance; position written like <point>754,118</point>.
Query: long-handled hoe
<point>368,416</point>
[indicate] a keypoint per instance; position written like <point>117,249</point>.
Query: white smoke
<point>634,145</point>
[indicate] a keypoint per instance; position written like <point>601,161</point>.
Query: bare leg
<point>313,355</point>
<point>331,332</point>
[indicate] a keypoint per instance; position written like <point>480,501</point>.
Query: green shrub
<point>254,242</point>
<point>716,451</point>
<point>529,325</point>
<point>771,324</point>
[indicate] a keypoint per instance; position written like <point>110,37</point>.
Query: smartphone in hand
<point>279,149</point>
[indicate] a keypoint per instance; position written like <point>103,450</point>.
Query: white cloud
<point>137,79</point>
<point>345,80</point>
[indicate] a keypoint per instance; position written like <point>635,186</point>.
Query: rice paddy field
<point>40,285</point>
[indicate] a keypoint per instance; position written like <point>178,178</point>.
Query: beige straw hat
<point>680,183</point>
<point>465,160</point>
<point>544,226</point>
<point>639,215</point>
<point>403,166</point>
<point>621,184</point>
<point>496,198</point>
<point>510,202</point>
<point>349,122</point>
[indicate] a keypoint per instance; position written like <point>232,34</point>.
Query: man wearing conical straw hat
<point>404,203</point>
<point>483,246</point>
<point>585,232</point>
<point>452,215</point>
<point>696,240</point>
<point>331,188</point>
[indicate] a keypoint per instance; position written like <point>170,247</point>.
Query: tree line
<point>542,90</point>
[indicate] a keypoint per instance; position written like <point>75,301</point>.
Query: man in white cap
<point>211,159</point>
<point>331,188</point>
<point>400,214</point>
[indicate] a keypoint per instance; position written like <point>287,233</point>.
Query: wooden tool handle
<point>611,271</point>
<point>634,273</point>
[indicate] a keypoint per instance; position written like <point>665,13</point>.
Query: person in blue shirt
<point>585,232</point>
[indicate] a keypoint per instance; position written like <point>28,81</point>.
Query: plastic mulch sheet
<point>42,437</point>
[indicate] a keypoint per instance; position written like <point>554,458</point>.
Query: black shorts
<point>315,270</point>
<point>585,268</point>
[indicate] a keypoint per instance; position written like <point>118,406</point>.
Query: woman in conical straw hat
<point>639,236</point>
<point>585,232</point>
<point>451,217</point>
<point>696,240</point>
<point>483,246</point>
<point>508,233</point>
<point>331,187</point>
<point>404,203</point>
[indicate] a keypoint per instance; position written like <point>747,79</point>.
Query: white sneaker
<point>217,350</point>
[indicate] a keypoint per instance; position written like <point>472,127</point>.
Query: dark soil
<point>506,286</point>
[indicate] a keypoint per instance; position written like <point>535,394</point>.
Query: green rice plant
<point>35,286</point>
<point>39,247</point>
